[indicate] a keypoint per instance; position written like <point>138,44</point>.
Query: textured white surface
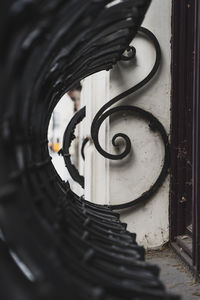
<point>121,181</point>
<point>134,175</point>
<point>95,94</point>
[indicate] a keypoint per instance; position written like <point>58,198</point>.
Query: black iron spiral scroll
<point>105,112</point>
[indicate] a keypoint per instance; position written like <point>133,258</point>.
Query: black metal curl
<point>67,140</point>
<point>98,117</point>
<point>85,141</point>
<point>154,125</point>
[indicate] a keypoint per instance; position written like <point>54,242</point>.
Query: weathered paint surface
<point>133,176</point>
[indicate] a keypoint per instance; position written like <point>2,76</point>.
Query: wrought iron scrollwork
<point>85,141</point>
<point>99,117</point>
<point>53,243</point>
<point>154,125</point>
<point>106,111</point>
<point>67,140</point>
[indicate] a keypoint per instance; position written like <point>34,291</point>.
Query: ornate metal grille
<point>54,244</point>
<point>105,112</point>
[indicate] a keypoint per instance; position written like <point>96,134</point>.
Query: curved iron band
<point>95,132</point>
<point>154,125</point>
<point>67,140</point>
<point>85,141</point>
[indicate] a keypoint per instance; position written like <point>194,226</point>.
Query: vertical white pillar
<point>95,94</point>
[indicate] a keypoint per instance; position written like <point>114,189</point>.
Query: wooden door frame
<point>185,125</point>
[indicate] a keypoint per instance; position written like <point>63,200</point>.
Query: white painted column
<point>95,94</point>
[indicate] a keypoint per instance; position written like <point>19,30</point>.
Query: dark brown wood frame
<point>185,128</point>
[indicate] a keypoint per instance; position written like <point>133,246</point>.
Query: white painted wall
<point>130,179</point>
<point>118,182</point>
